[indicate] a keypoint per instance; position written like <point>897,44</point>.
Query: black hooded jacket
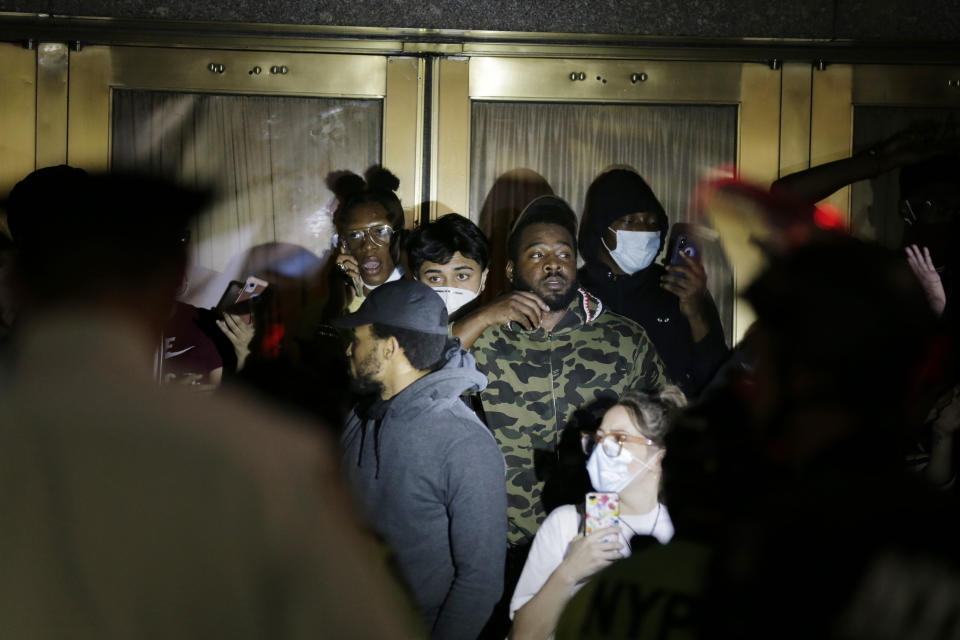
<point>639,296</point>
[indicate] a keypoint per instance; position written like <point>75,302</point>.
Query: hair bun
<point>345,184</point>
<point>672,396</point>
<point>380,179</point>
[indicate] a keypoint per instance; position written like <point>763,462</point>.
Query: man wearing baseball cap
<point>427,474</point>
<point>558,362</point>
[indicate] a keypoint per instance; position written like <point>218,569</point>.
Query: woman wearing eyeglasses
<point>369,220</point>
<point>624,458</point>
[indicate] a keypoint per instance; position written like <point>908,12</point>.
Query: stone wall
<point>865,20</point>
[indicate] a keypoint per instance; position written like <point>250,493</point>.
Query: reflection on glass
<point>561,148</point>
<point>266,155</point>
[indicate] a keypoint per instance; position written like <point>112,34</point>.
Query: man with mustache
<point>568,354</point>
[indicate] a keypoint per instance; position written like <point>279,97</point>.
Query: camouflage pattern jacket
<point>538,379</point>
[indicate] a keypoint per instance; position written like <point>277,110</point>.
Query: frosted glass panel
<point>266,155</point>
<point>522,150</point>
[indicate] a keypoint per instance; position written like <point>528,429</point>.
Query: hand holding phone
<point>684,244</point>
<point>348,266</point>
<point>602,511</point>
<point>686,277</point>
<point>238,295</point>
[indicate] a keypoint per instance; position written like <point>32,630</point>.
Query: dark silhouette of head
<point>86,239</point>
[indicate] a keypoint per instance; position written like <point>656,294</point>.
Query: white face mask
<point>635,249</point>
<point>455,298</point>
<point>612,474</point>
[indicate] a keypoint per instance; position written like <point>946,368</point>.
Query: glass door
<point>264,128</point>
<point>511,129</point>
<point>18,114</point>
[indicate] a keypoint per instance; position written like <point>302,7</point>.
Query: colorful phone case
<point>602,510</point>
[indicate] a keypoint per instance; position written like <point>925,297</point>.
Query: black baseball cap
<point>405,304</point>
<point>546,209</point>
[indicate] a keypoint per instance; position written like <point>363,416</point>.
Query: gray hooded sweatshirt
<point>429,478</point>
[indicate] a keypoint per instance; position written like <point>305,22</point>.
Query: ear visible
<point>509,271</point>
<point>483,280</point>
<point>658,457</point>
<point>389,348</point>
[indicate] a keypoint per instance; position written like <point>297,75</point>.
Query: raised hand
<point>922,266</point>
<point>522,307</point>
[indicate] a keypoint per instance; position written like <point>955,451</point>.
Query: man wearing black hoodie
<point>623,230</point>
<point>428,475</point>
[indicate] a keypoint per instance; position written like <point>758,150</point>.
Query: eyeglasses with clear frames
<point>612,443</point>
<point>379,235</point>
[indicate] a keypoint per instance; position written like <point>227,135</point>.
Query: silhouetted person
<point>135,511</point>
<point>793,514</point>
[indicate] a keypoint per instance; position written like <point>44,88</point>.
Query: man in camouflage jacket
<point>542,370</point>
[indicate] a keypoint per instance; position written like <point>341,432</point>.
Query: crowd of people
<point>379,446</point>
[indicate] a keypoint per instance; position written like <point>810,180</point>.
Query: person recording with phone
<point>369,221</point>
<point>624,464</point>
<point>623,230</point>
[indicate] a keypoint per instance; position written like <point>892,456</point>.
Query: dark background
<point>862,20</point>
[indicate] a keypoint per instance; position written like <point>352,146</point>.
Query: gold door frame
<point>838,89</point>
<point>96,70</point>
<point>754,87</point>
<point>18,114</point>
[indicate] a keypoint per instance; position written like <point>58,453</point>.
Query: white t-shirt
<point>560,528</point>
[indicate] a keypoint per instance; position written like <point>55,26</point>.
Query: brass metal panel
<point>18,104</point>
<point>927,86</point>
<point>437,48</point>
<point>795,97</point>
<point>603,80</point>
<point>450,190</point>
<point>52,75</point>
<point>403,132</point>
<point>95,71</point>
<point>280,72</point>
<point>758,159</point>
<point>831,124</point>
<point>89,114</point>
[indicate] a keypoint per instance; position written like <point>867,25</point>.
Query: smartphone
<point>683,245</point>
<point>602,510</point>
<point>252,288</point>
<point>229,297</point>
<point>345,250</point>
<point>237,296</point>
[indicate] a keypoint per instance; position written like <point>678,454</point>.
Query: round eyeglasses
<point>612,443</point>
<point>379,235</point>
